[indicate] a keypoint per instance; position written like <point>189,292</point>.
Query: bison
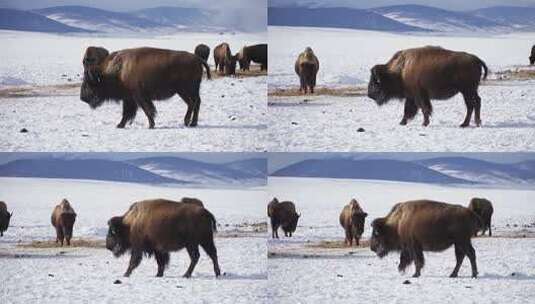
<point>306,67</point>
<point>203,51</point>
<point>224,60</point>
<point>282,214</point>
<point>192,200</point>
<point>483,208</point>
<point>257,53</point>
<point>416,226</point>
<point>63,218</point>
<point>157,227</point>
<point>5,217</point>
<point>352,220</point>
<point>140,75</point>
<point>421,74</point>
<point>532,57</point>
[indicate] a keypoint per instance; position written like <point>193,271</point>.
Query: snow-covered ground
<point>330,123</point>
<point>231,115</point>
<point>300,271</point>
<point>64,275</point>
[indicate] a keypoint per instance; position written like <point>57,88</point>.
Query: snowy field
<point>301,270</point>
<point>346,57</point>
<point>231,115</point>
<point>66,275</point>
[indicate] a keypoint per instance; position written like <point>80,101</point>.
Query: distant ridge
<point>17,20</point>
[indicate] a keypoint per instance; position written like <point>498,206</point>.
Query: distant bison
<point>257,53</point>
<point>483,208</point>
<point>203,51</point>
<point>352,220</point>
<point>5,217</point>
<point>139,76</point>
<point>157,227</point>
<point>421,74</point>
<point>63,218</point>
<point>224,60</point>
<point>306,67</point>
<point>192,200</point>
<point>416,226</point>
<point>532,57</point>
<point>282,214</point>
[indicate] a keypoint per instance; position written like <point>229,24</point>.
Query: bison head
<point>5,217</point>
<point>383,240</point>
<point>92,85</point>
<point>383,85</point>
<point>358,219</point>
<point>292,224</point>
<point>68,222</point>
<point>117,240</point>
<point>230,65</point>
<point>532,59</point>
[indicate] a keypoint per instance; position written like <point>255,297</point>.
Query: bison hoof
<point>416,275</point>
<point>126,275</point>
<point>464,125</point>
<point>193,124</point>
<point>187,275</point>
<point>403,122</point>
<point>151,126</point>
<point>120,126</point>
<point>453,275</point>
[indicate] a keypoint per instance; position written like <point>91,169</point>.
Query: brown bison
<point>416,226</point>
<point>483,208</point>
<point>63,218</point>
<point>139,76</point>
<point>192,200</point>
<point>5,217</point>
<point>157,227</point>
<point>306,67</point>
<point>352,220</point>
<point>421,74</point>
<point>282,214</point>
<point>203,51</point>
<point>532,57</point>
<point>224,60</point>
<point>257,53</point>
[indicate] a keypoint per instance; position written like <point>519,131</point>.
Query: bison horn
<point>11,214</point>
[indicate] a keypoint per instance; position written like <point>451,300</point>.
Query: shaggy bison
<point>203,51</point>
<point>5,217</point>
<point>192,200</point>
<point>139,76</point>
<point>421,74</point>
<point>257,53</point>
<point>282,214</point>
<point>532,57</point>
<point>306,67</point>
<point>416,226</point>
<point>224,60</point>
<point>352,220</point>
<point>483,208</point>
<point>62,219</point>
<point>157,227</point>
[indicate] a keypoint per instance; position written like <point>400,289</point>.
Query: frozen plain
<point>87,275</point>
<point>301,270</point>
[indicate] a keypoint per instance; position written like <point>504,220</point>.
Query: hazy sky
<point>446,4</point>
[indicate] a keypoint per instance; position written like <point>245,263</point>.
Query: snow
<point>299,272</point>
<point>66,275</point>
<point>346,57</point>
<point>231,115</point>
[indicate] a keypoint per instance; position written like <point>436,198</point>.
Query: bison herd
<point>410,228</point>
<point>138,76</point>
<point>151,228</point>
<point>416,76</point>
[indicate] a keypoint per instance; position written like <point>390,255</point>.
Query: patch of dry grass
<point>80,243</point>
<point>519,73</point>
<point>339,244</point>
<point>321,91</point>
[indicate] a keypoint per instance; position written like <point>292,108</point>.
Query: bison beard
<point>139,76</point>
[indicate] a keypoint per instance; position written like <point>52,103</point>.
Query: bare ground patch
<point>338,244</point>
<point>515,73</point>
<point>68,89</point>
<point>75,243</point>
<point>254,71</point>
<point>320,91</point>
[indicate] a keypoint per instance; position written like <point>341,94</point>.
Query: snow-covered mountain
<point>519,18</point>
<point>12,19</point>
<point>240,172</point>
<point>180,17</point>
<point>373,169</point>
<point>483,172</point>
<point>439,20</point>
<point>340,17</point>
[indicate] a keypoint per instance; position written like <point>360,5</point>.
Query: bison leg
<point>418,260</point>
<point>405,259</point>
<point>469,102</point>
<point>477,104</point>
<point>162,258</point>
<point>129,112</point>
<point>409,111</point>
<point>59,235</point>
<point>471,253</point>
<point>150,111</point>
<point>348,238</point>
<point>193,251</point>
<point>196,98</point>
<point>459,256</point>
<point>211,251</point>
<point>427,109</point>
<point>490,229</point>
<point>135,260</point>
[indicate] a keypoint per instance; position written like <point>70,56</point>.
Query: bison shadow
<point>39,256</point>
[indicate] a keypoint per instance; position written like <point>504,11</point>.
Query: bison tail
<point>207,69</point>
<point>212,219</point>
<point>485,68</point>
